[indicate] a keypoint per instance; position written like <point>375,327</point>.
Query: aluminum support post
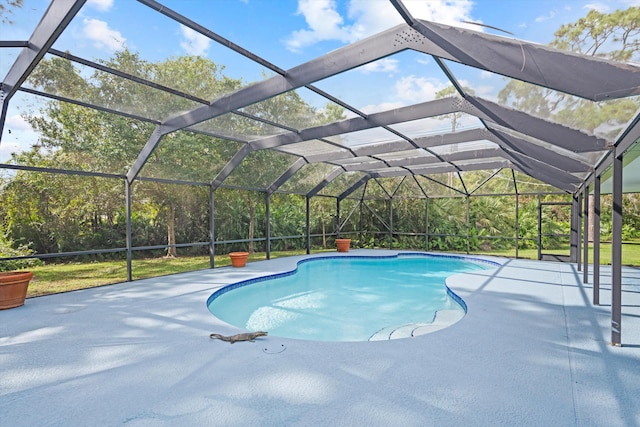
<point>468,225</point>
<point>267,202</point>
<point>517,224</point>
<point>585,235</point>
<point>127,192</point>
<point>596,240</point>
<point>212,234</point>
<point>540,229</point>
<point>426,224</point>
<point>391,223</point>
<point>338,225</point>
<point>616,254</point>
<point>308,224</point>
<point>578,208</point>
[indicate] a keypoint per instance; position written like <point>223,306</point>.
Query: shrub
<point>7,251</point>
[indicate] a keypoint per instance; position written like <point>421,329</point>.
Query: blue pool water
<point>345,298</point>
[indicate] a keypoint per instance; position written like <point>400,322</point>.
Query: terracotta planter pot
<point>239,259</point>
<point>343,245</point>
<point>13,288</point>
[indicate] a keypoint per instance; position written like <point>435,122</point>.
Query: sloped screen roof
<point>298,127</point>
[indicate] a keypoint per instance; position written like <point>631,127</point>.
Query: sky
<point>287,33</point>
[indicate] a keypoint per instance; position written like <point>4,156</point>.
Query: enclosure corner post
<point>127,192</point>
<point>616,254</point>
<point>517,224</point>
<point>468,224</point>
<point>596,240</point>
<point>338,218</point>
<point>391,223</point>
<point>585,235</point>
<point>267,205</point>
<point>308,224</point>
<point>212,246</point>
<point>574,239</point>
<point>540,228</point>
<point>426,223</point>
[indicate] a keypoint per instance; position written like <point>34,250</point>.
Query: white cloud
<point>367,17</point>
<point>552,14</point>
<point>375,108</point>
<point>193,42</point>
<point>384,65</point>
<point>419,89</point>
<point>324,22</point>
<point>17,123</point>
<point>7,148</point>
<point>17,137</point>
<point>486,74</point>
<point>600,7</point>
<point>101,5</point>
<point>102,36</point>
<point>408,90</point>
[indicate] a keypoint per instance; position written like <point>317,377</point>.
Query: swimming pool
<point>349,298</point>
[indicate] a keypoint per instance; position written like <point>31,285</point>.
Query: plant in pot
<point>238,258</point>
<point>14,282</point>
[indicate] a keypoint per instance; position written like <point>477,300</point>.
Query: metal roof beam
<point>346,58</point>
<point>512,144</point>
<point>397,115</point>
<point>87,105</point>
<point>56,18</point>
<point>598,79</point>
<point>551,132</point>
<point>237,158</point>
<point>354,187</point>
<point>630,135</point>
<point>543,172</point>
<point>333,175</point>
<point>466,167</point>
<point>416,161</point>
<point>158,7</point>
<point>295,167</point>
<point>398,145</point>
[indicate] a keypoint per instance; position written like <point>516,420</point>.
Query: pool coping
<point>272,276</point>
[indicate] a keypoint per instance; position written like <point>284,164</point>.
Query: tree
<point>88,139</point>
<point>612,36</point>
<point>6,7</point>
<point>80,138</point>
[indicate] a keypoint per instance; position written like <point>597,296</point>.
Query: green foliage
<point>72,213</point>
<point>614,36</point>
<point>6,9</point>
<point>8,250</point>
<point>590,34</point>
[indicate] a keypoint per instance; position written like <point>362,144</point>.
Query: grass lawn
<point>630,253</point>
<point>54,278</point>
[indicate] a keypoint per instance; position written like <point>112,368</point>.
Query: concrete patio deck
<point>531,351</point>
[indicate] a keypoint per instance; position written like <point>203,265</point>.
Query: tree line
<point>51,213</point>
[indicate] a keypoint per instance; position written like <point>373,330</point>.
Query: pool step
<point>443,318</point>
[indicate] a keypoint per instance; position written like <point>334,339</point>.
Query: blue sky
<point>287,33</point>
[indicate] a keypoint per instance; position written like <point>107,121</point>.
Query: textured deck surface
<point>531,351</point>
